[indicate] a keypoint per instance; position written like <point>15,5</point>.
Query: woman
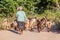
<point>21,17</point>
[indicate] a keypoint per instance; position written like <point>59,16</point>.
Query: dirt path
<point>8,35</point>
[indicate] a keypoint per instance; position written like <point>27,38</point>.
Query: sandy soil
<point>11,35</point>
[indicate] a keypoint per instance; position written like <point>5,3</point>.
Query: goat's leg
<point>39,29</point>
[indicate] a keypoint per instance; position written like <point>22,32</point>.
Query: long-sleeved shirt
<point>21,16</point>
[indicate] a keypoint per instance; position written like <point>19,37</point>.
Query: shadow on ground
<point>14,31</point>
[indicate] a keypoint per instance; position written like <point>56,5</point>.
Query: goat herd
<point>29,24</point>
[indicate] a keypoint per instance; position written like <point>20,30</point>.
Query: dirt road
<point>8,35</point>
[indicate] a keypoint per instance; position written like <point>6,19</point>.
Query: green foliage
<point>8,7</point>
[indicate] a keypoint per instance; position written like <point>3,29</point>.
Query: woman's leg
<point>20,26</point>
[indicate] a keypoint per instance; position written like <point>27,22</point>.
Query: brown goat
<point>27,25</point>
<point>14,25</point>
<point>49,25</point>
<point>41,24</point>
<point>32,23</point>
